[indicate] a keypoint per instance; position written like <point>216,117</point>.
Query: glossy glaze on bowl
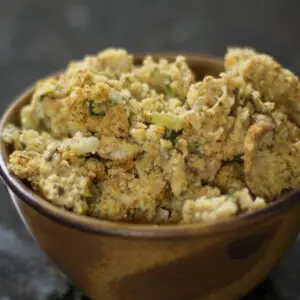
<point>112,260</point>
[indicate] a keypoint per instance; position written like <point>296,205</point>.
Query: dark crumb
<point>171,135</point>
<point>73,293</point>
<point>60,190</point>
<point>49,156</point>
<point>235,91</point>
<point>92,155</point>
<point>95,180</point>
<point>237,159</point>
<point>96,109</point>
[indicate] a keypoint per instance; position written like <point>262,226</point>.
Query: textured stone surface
<point>38,37</point>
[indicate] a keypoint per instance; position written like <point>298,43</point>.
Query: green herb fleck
<point>155,71</point>
<point>170,90</point>
<point>170,134</point>
<point>193,146</point>
<point>238,158</point>
<point>231,198</point>
<point>96,109</point>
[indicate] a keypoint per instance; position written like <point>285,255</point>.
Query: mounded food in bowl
<point>191,259</point>
<point>150,143</point>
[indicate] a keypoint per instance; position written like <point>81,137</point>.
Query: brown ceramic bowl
<point>112,260</point>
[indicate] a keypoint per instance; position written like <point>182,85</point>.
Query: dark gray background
<point>38,37</point>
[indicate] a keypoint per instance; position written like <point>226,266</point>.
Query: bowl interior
<point>201,65</point>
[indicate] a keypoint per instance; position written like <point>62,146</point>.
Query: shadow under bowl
<point>112,260</point>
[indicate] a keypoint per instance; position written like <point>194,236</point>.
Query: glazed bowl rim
<point>130,230</point>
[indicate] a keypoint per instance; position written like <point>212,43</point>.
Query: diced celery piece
<point>168,121</point>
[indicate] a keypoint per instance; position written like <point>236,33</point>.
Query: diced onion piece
<point>28,118</point>
<point>45,89</point>
<point>84,145</point>
<point>142,165</point>
<point>117,149</point>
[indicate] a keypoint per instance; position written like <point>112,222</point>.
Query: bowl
<point>111,260</point>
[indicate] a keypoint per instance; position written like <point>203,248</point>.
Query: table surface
<point>39,37</point>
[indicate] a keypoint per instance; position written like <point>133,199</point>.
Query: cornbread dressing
<point>149,143</point>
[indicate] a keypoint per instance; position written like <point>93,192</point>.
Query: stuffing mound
<point>148,143</point>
